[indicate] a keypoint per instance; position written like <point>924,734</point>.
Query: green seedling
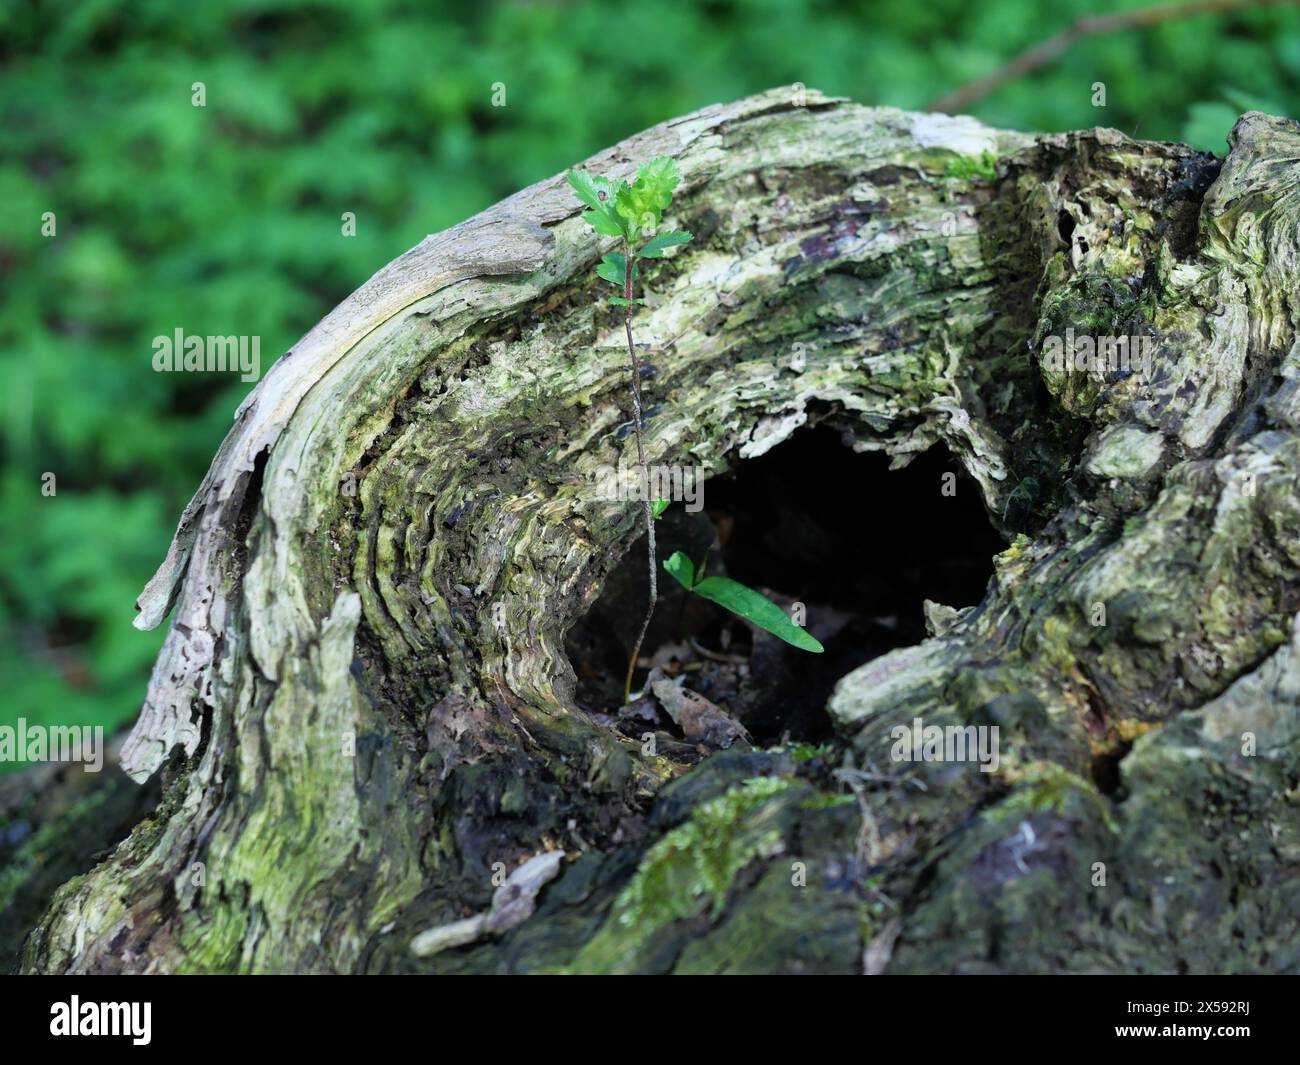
<point>632,212</point>
<point>742,601</point>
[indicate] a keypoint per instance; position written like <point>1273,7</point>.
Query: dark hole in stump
<point>813,523</point>
<point>1106,771</point>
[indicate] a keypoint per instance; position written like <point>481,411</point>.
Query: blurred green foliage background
<point>225,219</point>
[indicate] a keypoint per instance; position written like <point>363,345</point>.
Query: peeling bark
<point>364,692</point>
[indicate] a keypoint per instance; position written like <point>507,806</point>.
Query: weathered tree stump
<point>364,703</point>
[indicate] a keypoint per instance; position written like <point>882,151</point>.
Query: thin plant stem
<point>644,474</point>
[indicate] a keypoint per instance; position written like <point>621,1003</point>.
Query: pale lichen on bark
<point>365,697</point>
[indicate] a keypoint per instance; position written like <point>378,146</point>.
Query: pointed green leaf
<point>599,194</point>
<point>586,189</point>
<point>654,248</point>
<point>604,222</point>
<point>660,505</point>
<point>681,568</point>
<point>613,268</point>
<point>756,608</point>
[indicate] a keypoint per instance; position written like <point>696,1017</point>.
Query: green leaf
<point>613,268</point>
<point>654,248</point>
<point>655,182</point>
<point>604,222</point>
<point>660,505</point>
<point>619,209</point>
<point>586,189</point>
<point>599,194</point>
<point>756,608</point>
<point>681,568</point>
<point>643,202</point>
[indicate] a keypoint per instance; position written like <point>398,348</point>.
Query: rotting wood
<point>364,694</point>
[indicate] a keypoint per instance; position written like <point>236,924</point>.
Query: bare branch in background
<point>1041,54</point>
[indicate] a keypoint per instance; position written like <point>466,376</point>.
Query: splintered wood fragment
<point>457,934</point>
<point>512,904</point>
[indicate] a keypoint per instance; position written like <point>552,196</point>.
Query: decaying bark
<point>364,693</point>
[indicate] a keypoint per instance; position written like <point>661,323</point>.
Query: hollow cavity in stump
<point>856,552</point>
